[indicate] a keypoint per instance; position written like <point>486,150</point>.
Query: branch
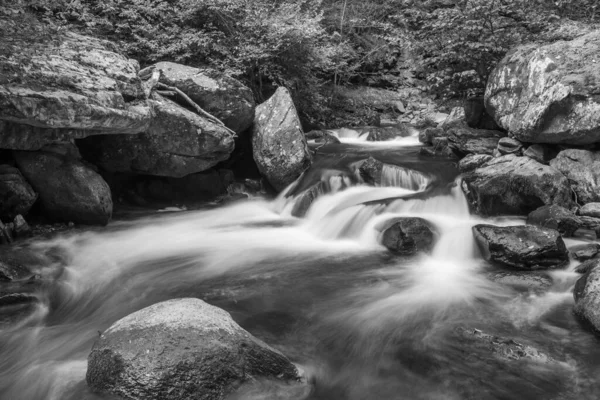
<point>150,83</point>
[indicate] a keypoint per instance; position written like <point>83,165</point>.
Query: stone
<point>540,153</point>
<point>429,134</point>
<point>224,97</point>
<point>523,247</point>
<point>68,189</point>
<point>279,146</point>
<point>555,217</point>
<point>180,349</point>
<point>515,185</point>
<point>476,115</point>
<point>548,94</point>
<point>408,236</point>
<point>467,140</point>
<point>473,161</point>
<point>388,133</point>
<point>587,299</point>
<point>16,194</point>
<point>587,266</point>
<point>590,210</point>
<point>582,168</point>
<point>324,136</point>
<point>584,252</point>
<point>178,143</point>
<point>21,227</point>
<point>508,145</point>
<point>443,152</point>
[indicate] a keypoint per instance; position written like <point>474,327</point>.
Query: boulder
<point>540,153</point>
<point>582,168</point>
<point>278,142</point>
<point>508,145</point>
<point>473,161</point>
<point>78,83</point>
<point>370,171</point>
<point>407,236</point>
<point>477,116</point>
<point>16,195</point>
<point>515,185</point>
<point>68,189</point>
<point>584,252</point>
<point>555,217</point>
<point>586,266</point>
<point>590,210</point>
<point>178,143</point>
<point>523,247</point>
<point>224,97</point>
<point>548,94</point>
<point>474,141</point>
<point>180,349</point>
<point>587,299</point>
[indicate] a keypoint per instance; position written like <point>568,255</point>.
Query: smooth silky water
<point>362,323</point>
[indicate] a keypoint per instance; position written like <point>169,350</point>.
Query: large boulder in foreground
<point>467,140</point>
<point>523,247</point>
<point>582,168</point>
<point>16,195</point>
<point>549,94</point>
<point>180,349</point>
<point>178,143</point>
<point>587,298</point>
<point>407,236</point>
<point>222,96</point>
<point>76,82</point>
<point>515,185</point>
<point>68,190</point>
<point>278,143</point>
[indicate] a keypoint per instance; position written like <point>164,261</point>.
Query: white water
<point>359,136</point>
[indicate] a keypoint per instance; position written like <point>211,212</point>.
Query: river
<point>362,323</point>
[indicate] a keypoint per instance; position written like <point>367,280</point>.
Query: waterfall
<point>404,178</point>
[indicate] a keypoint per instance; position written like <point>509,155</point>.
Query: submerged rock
<point>69,190</point>
<point>582,168</point>
<point>515,185</point>
<point>180,349</point>
<point>522,280</point>
<point>278,142</point>
<point>222,96</point>
<point>16,195</point>
<point>523,247</point>
<point>407,236</point>
<point>555,217</point>
<point>548,94</point>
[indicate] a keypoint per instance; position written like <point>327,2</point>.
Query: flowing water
<point>363,324</point>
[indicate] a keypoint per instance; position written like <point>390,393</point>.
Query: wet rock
<point>467,140</point>
<point>224,97</point>
<point>407,236</point>
<point>590,210</point>
<point>540,153</point>
<point>279,145</point>
<point>582,168</point>
<point>370,171</point>
<point>180,349</point>
<point>178,143</point>
<point>6,233</point>
<point>16,195</point>
<point>508,145</point>
<point>548,94</point>
<point>522,280</point>
<point>388,133</point>
<point>477,116</point>
<point>17,263</point>
<point>429,134</point>
<point>587,266</point>
<point>68,189</point>
<point>21,227</point>
<point>515,185</point>
<point>585,252</point>
<point>322,137</point>
<point>587,299</point>
<point>473,161</point>
<point>444,152</point>
<point>523,247</point>
<point>555,217</point>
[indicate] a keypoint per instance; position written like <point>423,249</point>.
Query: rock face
<point>407,236</point>
<point>587,299</point>
<point>515,185</point>
<point>82,84</point>
<point>548,94</point>
<point>582,168</point>
<point>180,349</point>
<point>555,217</point>
<point>278,143</point>
<point>16,195</point>
<point>178,143</point>
<point>473,161</point>
<point>473,141</point>
<point>224,97</point>
<point>68,189</point>
<point>523,247</point>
